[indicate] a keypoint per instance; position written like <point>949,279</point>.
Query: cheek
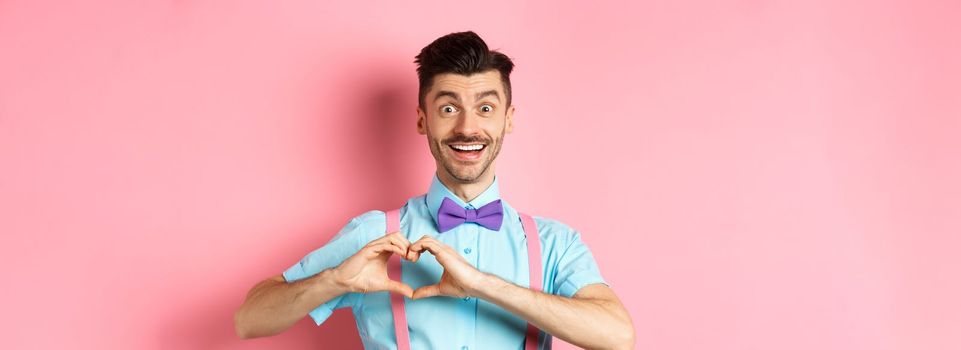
<point>434,135</point>
<point>439,128</point>
<point>494,128</point>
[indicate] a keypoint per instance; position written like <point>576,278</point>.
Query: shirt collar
<point>437,193</point>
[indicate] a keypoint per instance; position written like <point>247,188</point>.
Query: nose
<point>467,124</point>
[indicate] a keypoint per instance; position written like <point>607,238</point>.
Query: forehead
<point>467,85</point>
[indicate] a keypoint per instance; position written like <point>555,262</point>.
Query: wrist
<point>331,280</point>
<point>485,285</point>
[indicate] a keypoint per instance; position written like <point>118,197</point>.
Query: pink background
<point>749,174</point>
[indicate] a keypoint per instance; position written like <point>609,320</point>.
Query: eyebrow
<point>479,95</point>
<point>443,93</point>
<point>488,93</point>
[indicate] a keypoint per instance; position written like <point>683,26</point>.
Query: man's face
<point>465,119</point>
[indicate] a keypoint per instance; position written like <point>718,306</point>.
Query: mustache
<point>466,139</point>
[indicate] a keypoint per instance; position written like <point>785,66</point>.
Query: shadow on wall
<point>387,156</point>
<point>382,161</point>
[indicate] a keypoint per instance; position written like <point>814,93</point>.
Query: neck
<point>464,190</point>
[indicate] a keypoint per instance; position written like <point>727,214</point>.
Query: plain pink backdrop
<point>749,174</point>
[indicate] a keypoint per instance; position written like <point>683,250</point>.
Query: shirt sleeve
<point>357,233</point>
<point>576,268</point>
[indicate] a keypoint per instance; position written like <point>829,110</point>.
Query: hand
<point>459,279</point>
<point>366,270</point>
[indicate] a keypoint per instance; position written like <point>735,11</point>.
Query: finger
<point>429,244</point>
<point>393,236</point>
<point>398,237</point>
<point>426,291</point>
<point>386,247</point>
<point>414,254</point>
<point>379,240</point>
<point>400,241</point>
<point>419,245</point>
<point>444,254</point>
<point>400,288</point>
<point>416,249</point>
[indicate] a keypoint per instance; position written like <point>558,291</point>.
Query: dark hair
<point>463,53</point>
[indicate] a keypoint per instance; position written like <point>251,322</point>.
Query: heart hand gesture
<point>460,279</point>
<point>366,270</point>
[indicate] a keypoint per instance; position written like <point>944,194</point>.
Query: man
<point>470,291</point>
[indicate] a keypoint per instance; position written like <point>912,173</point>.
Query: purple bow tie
<point>450,215</point>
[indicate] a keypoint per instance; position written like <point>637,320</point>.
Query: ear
<point>421,121</point>
<point>509,124</point>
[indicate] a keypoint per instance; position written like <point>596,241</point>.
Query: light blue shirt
<point>444,322</point>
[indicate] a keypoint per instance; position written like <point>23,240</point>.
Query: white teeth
<point>467,147</point>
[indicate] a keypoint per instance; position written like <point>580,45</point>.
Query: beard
<point>460,171</point>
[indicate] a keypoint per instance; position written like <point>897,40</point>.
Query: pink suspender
<point>534,260</point>
<point>397,300</point>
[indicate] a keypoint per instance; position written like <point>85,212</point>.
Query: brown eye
<point>487,108</point>
<point>448,109</point>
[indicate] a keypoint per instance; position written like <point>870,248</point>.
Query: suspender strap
<point>397,300</point>
<point>534,261</point>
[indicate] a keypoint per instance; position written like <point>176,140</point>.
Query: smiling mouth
<point>468,151</point>
<point>467,148</point>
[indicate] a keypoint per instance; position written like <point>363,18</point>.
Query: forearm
<point>273,306</point>
<point>585,322</point>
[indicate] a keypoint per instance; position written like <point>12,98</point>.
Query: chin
<point>466,178</point>
<point>465,175</point>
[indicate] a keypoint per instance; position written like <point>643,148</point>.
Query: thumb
<point>427,291</point>
<point>400,288</point>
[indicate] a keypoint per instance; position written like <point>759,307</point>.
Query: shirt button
<point>464,347</point>
<point>466,299</point>
<point>467,250</point>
